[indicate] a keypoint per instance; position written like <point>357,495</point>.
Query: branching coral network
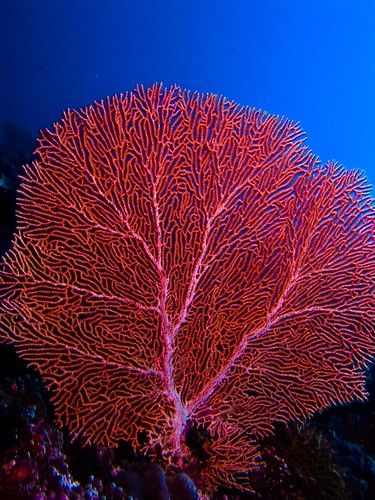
<point>183,262</point>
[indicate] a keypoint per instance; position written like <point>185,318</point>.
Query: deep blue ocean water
<point>312,61</point>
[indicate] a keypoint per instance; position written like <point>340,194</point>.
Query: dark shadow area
<point>15,151</point>
<point>18,142</point>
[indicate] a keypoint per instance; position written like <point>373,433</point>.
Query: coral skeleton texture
<point>182,262</point>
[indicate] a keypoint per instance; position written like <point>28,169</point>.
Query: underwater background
<point>311,61</point>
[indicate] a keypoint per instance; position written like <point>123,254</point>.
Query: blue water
<point>313,61</point>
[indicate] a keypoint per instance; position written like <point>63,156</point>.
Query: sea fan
<point>185,264</point>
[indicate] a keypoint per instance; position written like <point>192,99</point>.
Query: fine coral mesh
<point>183,261</point>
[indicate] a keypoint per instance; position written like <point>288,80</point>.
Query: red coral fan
<point>182,262</point>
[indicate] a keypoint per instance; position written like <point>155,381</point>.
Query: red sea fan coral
<point>182,262</point>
